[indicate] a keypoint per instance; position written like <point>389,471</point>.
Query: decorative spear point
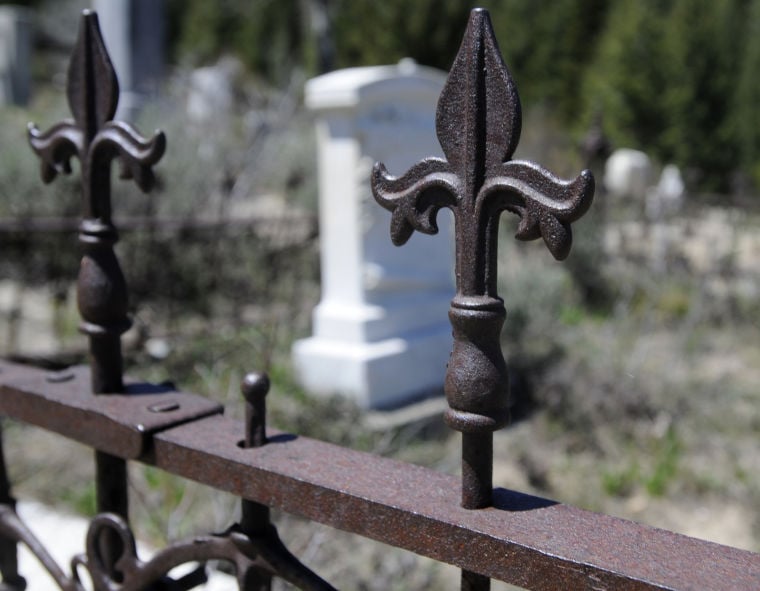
<point>93,92</point>
<point>92,88</point>
<point>478,123</point>
<point>479,90</point>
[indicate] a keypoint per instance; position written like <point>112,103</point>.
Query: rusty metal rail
<point>488,533</point>
<point>526,540</point>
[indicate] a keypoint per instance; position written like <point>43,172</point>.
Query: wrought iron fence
<point>489,533</point>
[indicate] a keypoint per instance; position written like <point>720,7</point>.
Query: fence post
<point>96,140</point>
<point>478,124</point>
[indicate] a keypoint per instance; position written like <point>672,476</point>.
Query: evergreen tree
<point>675,78</point>
<point>666,80</point>
<point>746,109</point>
<point>702,43</point>
<point>547,45</point>
<point>368,32</point>
<point>198,29</point>
<point>269,36</point>
<point>626,80</point>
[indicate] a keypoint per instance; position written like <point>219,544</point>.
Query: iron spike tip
<point>92,88</point>
<point>480,17</point>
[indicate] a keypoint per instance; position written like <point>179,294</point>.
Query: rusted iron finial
<point>478,125</point>
<point>93,93</point>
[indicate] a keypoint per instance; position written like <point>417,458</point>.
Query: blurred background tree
<point>675,78</point>
<point>665,75</point>
<point>747,97</point>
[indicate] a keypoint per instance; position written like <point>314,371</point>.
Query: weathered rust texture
<point>120,424</point>
<point>478,125</point>
<point>96,140</point>
<point>525,540</point>
<point>123,425</point>
<point>92,137</point>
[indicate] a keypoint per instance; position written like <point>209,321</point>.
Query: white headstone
<point>667,197</point>
<point>133,31</point>
<point>15,51</point>
<point>628,173</point>
<point>381,333</point>
<point>671,187</point>
<point>211,94</point>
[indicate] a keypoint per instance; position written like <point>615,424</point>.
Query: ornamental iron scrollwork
<point>110,562</point>
<point>250,556</point>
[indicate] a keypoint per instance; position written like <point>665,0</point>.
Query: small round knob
<point>255,387</point>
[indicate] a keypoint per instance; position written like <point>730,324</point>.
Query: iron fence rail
<point>525,540</point>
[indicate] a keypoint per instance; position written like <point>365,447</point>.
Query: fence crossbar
<point>525,540</point>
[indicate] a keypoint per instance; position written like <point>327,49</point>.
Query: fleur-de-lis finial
<point>96,140</point>
<point>478,125</point>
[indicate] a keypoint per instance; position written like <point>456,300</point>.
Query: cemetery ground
<point>635,364</point>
